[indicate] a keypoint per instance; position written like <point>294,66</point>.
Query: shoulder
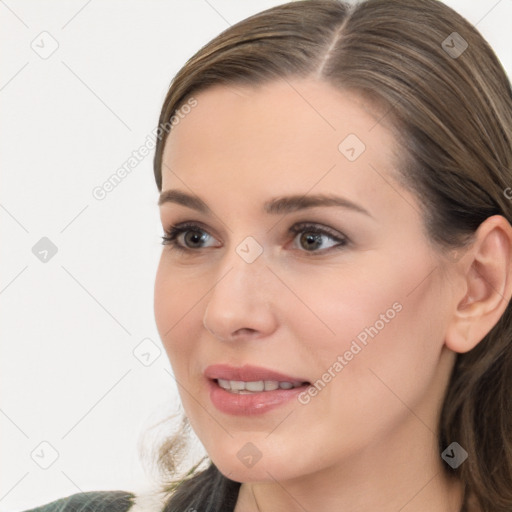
<point>106,501</point>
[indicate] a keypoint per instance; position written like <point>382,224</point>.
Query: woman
<point>333,291</point>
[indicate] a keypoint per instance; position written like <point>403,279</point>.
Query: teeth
<point>270,385</point>
<point>255,386</point>
<point>239,386</point>
<point>224,384</point>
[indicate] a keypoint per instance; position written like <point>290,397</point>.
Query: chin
<point>247,465</point>
<point>244,475</point>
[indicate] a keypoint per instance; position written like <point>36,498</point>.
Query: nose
<point>241,304</point>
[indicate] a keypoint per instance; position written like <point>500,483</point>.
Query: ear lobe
<point>486,271</point>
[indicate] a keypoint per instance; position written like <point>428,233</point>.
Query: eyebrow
<point>277,205</point>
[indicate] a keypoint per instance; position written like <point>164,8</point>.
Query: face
<point>339,299</point>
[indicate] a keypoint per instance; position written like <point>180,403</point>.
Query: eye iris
<point>193,237</point>
<point>311,240</point>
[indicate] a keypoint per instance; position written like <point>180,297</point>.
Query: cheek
<point>371,335</point>
<point>339,307</point>
<point>175,299</point>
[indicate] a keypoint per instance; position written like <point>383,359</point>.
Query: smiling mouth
<point>258,386</point>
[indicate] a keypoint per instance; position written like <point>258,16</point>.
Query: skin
<point>368,440</point>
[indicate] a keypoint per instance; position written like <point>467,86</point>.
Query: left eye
<point>312,236</point>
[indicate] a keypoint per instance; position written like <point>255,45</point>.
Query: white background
<point>69,326</point>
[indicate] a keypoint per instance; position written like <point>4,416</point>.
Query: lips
<point>249,373</point>
<point>239,391</point>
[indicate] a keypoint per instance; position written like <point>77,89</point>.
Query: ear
<point>485,271</point>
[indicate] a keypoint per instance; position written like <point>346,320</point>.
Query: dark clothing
<point>96,501</point>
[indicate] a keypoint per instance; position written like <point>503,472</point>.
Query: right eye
<point>192,233</point>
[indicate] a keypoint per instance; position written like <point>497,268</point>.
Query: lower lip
<point>253,403</point>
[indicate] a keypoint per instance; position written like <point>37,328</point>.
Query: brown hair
<point>452,114</point>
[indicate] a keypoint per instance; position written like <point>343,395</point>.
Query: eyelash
<point>172,233</point>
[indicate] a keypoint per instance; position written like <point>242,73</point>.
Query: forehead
<point>287,135</point>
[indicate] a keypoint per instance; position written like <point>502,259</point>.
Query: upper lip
<point>248,373</point>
